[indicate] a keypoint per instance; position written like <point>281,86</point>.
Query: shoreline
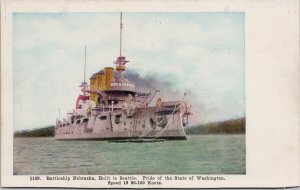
<point>227,127</point>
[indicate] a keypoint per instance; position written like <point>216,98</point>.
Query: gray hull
<point>147,123</point>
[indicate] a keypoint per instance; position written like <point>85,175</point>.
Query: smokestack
<point>109,77</point>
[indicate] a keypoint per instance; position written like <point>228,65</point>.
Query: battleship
<point>110,108</point>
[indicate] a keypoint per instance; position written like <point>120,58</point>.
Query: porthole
<point>103,117</point>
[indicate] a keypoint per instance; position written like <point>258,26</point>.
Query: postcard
<point>149,94</point>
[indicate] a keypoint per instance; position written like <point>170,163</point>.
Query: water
<point>203,154</point>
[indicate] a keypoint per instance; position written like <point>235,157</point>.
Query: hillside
<point>40,132</point>
<point>234,126</point>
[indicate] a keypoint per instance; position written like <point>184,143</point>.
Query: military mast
<point>121,60</point>
<point>84,86</point>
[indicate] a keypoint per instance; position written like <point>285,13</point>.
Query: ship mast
<point>121,60</point>
<point>59,114</point>
<point>84,64</point>
<point>84,83</point>
<point>121,27</point>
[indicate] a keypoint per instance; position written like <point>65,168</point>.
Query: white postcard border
<point>272,89</point>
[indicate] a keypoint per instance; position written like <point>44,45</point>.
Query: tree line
<point>233,126</point>
<point>40,132</point>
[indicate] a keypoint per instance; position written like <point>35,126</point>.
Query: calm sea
<point>201,154</point>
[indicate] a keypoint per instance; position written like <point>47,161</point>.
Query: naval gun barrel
<point>143,94</point>
<point>92,92</point>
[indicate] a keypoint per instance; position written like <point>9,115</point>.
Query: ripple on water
<point>204,154</point>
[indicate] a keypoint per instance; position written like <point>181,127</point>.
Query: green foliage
<point>40,132</point>
<point>234,126</point>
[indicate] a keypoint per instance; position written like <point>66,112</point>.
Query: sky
<point>200,53</point>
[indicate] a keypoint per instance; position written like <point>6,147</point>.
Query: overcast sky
<point>198,52</point>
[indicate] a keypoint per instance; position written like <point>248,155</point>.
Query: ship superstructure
<point>111,108</point>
